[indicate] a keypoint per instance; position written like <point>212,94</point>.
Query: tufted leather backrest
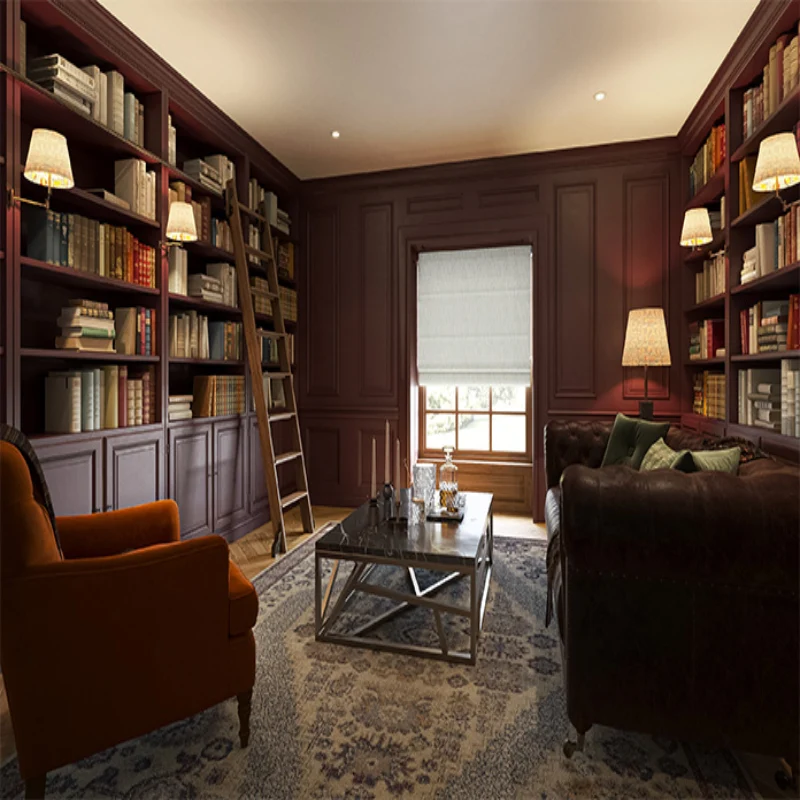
<point>573,442</point>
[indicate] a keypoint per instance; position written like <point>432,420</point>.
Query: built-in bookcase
<point>737,235</point>
<point>34,291</point>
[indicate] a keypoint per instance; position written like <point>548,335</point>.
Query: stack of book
<point>188,335</point>
<point>288,303</point>
<point>136,327</point>
<point>206,287</point>
<point>203,173</point>
<point>749,271</point>
<point>180,407</point>
<point>790,397</point>
<point>225,340</point>
<point>778,79</point>
<point>64,80</point>
<point>225,168</point>
<point>283,221</point>
<point>135,184</point>
<point>259,291</point>
<point>286,261</point>
<point>178,271</point>
<point>226,275</point>
<point>763,328</point>
<point>70,240</point>
<point>760,398</point>
<point>710,281</point>
<point>706,339</point>
<point>218,395</point>
<point>86,326</point>
<point>709,394</point>
<point>99,399</point>
<point>708,160</point>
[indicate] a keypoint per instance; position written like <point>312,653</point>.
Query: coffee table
<point>455,549</point>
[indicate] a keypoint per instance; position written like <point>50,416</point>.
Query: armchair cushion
<point>242,602</point>
<point>631,439</point>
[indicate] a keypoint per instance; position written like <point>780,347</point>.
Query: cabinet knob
<point>109,507</point>
<point>96,510</point>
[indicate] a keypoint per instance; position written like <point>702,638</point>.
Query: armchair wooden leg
<point>245,704</point>
<point>34,787</point>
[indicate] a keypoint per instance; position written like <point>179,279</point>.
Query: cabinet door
<point>134,469</point>
<point>190,478</point>
<point>230,495</point>
<point>258,499</point>
<point>74,475</point>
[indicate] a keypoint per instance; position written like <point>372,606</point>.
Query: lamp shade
<point>180,225</point>
<point>646,339</point>
<point>778,164</point>
<point>48,160</point>
<point>696,228</point>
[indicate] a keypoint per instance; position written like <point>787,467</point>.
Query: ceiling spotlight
<point>599,96</point>
<point>335,134</point>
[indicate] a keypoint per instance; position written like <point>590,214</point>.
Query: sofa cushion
<point>631,439</point>
<point>242,602</point>
<point>661,456</point>
<point>709,461</point>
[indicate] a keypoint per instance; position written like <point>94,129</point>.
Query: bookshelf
<point>83,467</point>
<point>738,235</point>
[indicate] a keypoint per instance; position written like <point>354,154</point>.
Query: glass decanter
<point>448,481</point>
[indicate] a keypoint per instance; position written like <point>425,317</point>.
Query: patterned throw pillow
<point>661,456</point>
<point>630,440</point>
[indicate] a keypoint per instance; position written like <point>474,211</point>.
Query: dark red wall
<point>604,223</point>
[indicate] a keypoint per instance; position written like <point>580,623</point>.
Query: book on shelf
<point>259,291</point>
<point>225,340</point>
<point>204,174</point>
<point>179,407</point>
<point>225,274</point>
<point>188,335</point>
<point>100,398</point>
<point>288,299</point>
<point>707,161</point>
<point>269,349</point>
<point>274,393</point>
<point>218,395</point>
<point>69,83</point>
<point>748,197</point>
<point>710,280</point>
<point>115,101</point>
<point>765,326</point>
<point>87,326</point>
<point>708,394</point>
<point>286,260</point>
<point>135,184</point>
<point>225,168</point>
<point>790,398</point>
<point>172,143</point>
<point>133,119</point>
<point>109,197</point>
<point>705,338</point>
<point>178,271</point>
<point>98,99</point>
<point>136,331</point>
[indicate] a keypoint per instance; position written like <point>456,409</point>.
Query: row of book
<point>288,303</point>
<point>286,261</point>
<point>778,79</point>
<point>217,395</point>
<point>770,326</point>
<point>777,245</point>
<point>71,240</point>
<point>216,285</point>
<point>277,217</point>
<point>136,185</point>
<point>706,339</point>
<point>90,326</point>
<point>191,335</point>
<point>211,172</point>
<point>708,160</point>
<point>259,291</point>
<point>770,398</point>
<point>209,229</point>
<point>269,349</point>
<point>101,398</point>
<point>710,280</point>
<point>708,394</point>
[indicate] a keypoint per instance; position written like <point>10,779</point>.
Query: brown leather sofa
<point>676,595</point>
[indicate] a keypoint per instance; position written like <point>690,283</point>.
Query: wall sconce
<point>47,165</point>
<point>180,224</point>
<point>696,228</point>
<point>778,165</point>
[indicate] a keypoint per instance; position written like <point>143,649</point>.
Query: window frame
<point>476,455</point>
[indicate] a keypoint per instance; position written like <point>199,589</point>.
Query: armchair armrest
<point>567,443</point>
<point>114,532</point>
<point>706,527</point>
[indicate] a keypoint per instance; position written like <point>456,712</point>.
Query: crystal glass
<point>448,481</point>
<point>424,486</point>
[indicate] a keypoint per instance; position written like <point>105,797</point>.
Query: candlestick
<point>387,478</point>
<point>373,490</point>
<point>398,480</point>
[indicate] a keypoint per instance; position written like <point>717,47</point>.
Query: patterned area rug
<point>339,722</point>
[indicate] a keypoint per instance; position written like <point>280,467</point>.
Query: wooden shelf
<point>698,256</point>
<point>203,420</point>
<point>41,108</point>
<point>77,355</point>
<point>57,438</point>
<point>712,191</point>
<point>98,208</point>
<point>175,174</point>
<point>775,437</point>
<point>705,362</point>
<point>717,301</point>
<point>782,119</point>
<point>207,362</point>
<point>206,250</point>
<point>768,210</point>
<point>786,278</point>
<point>66,276</point>
<point>204,305</point>
<point>778,355</point>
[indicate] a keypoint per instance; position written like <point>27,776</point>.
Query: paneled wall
<point>604,226</point>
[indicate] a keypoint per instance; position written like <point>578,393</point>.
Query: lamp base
<point>646,409</point>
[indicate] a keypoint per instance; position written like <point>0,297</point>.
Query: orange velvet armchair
<point>120,630</point>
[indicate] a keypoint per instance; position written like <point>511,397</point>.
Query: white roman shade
<point>474,317</point>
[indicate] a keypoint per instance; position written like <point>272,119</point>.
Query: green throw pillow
<point>661,456</point>
<point>710,461</point>
<point>630,439</point>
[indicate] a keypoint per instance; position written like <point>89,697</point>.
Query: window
<point>476,420</point>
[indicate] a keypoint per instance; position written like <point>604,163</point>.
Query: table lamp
<point>646,346</point>
<point>778,165</point>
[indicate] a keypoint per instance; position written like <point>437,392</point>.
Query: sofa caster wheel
<point>570,747</point>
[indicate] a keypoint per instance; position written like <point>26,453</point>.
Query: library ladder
<point>264,261</point>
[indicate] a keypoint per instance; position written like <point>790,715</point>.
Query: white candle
<point>372,489</point>
<point>387,478</point>
<point>398,480</point>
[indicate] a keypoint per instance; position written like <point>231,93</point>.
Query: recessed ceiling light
<point>599,96</point>
<point>335,134</point>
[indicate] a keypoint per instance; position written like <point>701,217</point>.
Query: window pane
<point>508,398</point>
<point>475,398</point>
<point>473,432</point>
<point>438,397</point>
<point>440,431</point>
<point>508,433</point>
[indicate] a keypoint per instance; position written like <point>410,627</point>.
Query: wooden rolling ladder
<point>265,263</point>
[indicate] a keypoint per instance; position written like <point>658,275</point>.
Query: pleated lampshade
<point>696,228</point>
<point>48,160</point>
<point>180,225</point>
<point>778,163</point>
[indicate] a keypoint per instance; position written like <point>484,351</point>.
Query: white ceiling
<point>412,82</point>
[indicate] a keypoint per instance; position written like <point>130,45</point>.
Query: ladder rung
<point>284,457</point>
<point>277,376</point>
<point>282,417</point>
<point>253,213</point>
<point>294,497</point>
<point>260,254</point>
<point>270,334</point>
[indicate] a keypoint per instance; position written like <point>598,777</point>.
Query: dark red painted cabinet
<point>229,477</point>
<point>74,474</point>
<point>134,466</point>
<point>191,476</point>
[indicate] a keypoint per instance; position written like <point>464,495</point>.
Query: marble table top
<point>440,542</point>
